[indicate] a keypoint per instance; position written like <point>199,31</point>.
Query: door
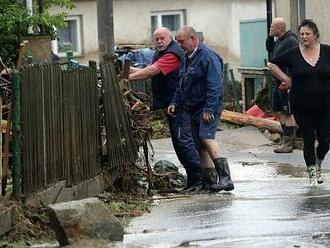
<point>253,34</point>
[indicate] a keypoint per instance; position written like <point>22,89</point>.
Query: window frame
<point>160,13</point>
<point>78,52</point>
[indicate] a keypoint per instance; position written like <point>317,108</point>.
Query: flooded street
<point>272,204</point>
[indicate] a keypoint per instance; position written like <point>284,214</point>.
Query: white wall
<point>318,10</point>
<point>320,14</point>
<point>242,11</point>
<point>87,11</point>
<point>282,9</point>
<point>217,19</point>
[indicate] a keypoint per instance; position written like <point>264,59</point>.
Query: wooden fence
<point>60,132</point>
<point>120,143</point>
<point>60,126</point>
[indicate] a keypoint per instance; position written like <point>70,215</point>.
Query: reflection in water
<point>275,213</point>
<point>207,203</point>
<point>316,200</point>
<point>315,206</point>
<point>294,171</point>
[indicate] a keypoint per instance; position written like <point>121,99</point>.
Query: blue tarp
<point>140,58</point>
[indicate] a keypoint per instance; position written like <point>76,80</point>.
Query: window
<point>69,38</point>
<point>173,20</point>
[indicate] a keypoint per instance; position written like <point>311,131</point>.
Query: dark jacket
<point>287,41</point>
<point>201,82</point>
<point>163,87</point>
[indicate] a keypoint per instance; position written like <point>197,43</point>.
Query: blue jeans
<point>182,140</point>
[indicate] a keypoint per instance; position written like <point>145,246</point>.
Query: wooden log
<point>244,119</point>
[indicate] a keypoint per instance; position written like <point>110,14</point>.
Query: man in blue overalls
<point>201,95</point>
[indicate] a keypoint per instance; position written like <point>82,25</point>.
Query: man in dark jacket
<point>164,70</point>
<point>200,93</point>
<point>286,39</point>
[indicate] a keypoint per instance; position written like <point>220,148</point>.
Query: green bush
<point>15,21</point>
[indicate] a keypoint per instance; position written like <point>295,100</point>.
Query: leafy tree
<point>15,20</point>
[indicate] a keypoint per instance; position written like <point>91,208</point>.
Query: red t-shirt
<point>167,63</point>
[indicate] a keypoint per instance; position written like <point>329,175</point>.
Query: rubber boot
<point>312,175</point>
<point>210,178</point>
<point>225,182</point>
<point>189,179</point>
<point>286,147</point>
<point>319,176</point>
<point>194,180</point>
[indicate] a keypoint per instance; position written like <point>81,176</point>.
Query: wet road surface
<point>271,206</point>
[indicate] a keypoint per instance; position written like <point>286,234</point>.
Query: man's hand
<point>284,86</point>
<point>207,116</point>
<point>171,110</point>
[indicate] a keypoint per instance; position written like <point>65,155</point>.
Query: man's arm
<point>214,78</point>
<point>165,65</point>
<point>176,101</point>
<point>270,44</point>
<point>279,74</point>
<point>134,69</point>
<point>144,73</point>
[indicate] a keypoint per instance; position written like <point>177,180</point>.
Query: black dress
<point>310,99</point>
<point>310,89</point>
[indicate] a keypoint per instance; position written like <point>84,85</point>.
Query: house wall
<point>318,10</point>
<point>87,11</point>
<point>320,14</point>
<point>217,19</point>
<point>242,11</point>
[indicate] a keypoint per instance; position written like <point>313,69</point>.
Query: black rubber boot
<point>210,178</point>
<point>189,179</point>
<point>225,182</point>
<point>287,146</point>
<point>194,180</point>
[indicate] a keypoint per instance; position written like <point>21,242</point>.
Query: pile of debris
<point>29,224</point>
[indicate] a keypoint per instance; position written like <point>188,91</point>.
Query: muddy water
<point>281,212</point>
<point>271,206</point>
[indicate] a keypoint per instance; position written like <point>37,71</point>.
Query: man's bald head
<point>188,32</point>
<point>187,38</point>
<point>278,27</point>
<point>162,38</point>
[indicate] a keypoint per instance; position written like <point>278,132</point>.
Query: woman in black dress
<point>309,82</point>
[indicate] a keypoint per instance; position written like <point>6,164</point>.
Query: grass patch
<point>127,207</point>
